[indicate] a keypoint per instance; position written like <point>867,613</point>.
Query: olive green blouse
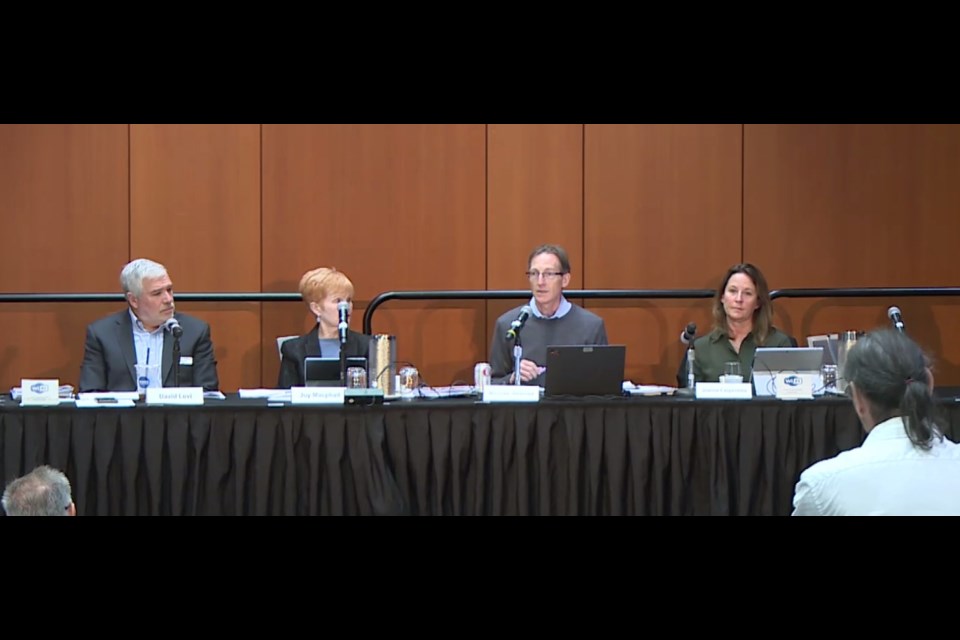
<point>714,349</point>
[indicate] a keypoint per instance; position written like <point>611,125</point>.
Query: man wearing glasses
<point>42,492</point>
<point>553,320</point>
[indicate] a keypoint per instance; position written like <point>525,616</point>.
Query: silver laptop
<point>774,365</point>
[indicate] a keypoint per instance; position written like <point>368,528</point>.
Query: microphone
<point>517,324</point>
<point>894,314</point>
<point>173,326</point>
<point>343,309</point>
<point>689,333</point>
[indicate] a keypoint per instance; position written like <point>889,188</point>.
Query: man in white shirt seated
<point>905,466</point>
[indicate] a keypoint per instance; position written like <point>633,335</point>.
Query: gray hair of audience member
<point>554,249</point>
<point>42,492</point>
<point>131,278</point>
<point>892,373</point>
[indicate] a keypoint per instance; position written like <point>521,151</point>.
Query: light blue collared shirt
<point>330,347</point>
<point>562,310</point>
<point>148,345</point>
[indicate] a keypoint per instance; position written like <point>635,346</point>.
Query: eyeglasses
<point>547,275</point>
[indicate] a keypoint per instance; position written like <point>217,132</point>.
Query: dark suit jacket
<point>110,357</point>
<point>295,350</point>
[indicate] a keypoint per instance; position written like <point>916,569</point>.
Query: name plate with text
<point>175,395</point>
<point>724,391</point>
<point>510,393</point>
<point>796,386</point>
<point>317,395</point>
<point>39,392</point>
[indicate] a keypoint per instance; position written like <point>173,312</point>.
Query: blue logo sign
<point>38,387</point>
<point>792,381</point>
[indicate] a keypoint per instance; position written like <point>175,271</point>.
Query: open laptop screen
<point>325,372</point>
<point>585,370</point>
<point>771,364</point>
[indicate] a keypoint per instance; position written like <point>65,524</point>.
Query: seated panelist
<point>552,320</point>
<point>142,334</point>
<point>322,290</point>
<point>743,321</point>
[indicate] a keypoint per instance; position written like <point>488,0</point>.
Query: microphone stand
<point>690,389</point>
<point>342,334</point>
<point>176,361</point>
<point>517,357</point>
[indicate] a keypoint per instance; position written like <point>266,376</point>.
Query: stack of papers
<point>648,389</point>
<point>65,392</point>
<point>107,399</point>
<point>455,391</point>
<point>271,395</point>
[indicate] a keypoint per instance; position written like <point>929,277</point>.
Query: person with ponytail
<point>905,466</point>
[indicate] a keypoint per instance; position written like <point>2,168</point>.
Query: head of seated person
<point>742,305</point>
<point>889,376</point>
<point>45,491</point>
<point>323,289</point>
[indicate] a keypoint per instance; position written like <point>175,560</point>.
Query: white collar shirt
<point>886,475</point>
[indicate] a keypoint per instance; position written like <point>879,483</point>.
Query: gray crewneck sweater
<point>578,326</point>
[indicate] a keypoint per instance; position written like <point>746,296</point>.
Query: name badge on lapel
<point>186,361</point>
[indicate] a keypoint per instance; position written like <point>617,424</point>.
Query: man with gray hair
<point>133,349</point>
<point>42,492</point>
<point>552,320</point>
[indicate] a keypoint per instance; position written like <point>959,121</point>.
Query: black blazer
<point>110,357</point>
<point>294,351</point>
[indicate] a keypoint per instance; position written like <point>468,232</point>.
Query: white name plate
<point>317,395</point>
<point>724,390</point>
<point>175,395</point>
<point>39,392</point>
<point>796,386</point>
<point>109,395</point>
<point>510,393</point>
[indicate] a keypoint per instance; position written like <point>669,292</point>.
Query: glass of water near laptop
<point>731,373</point>
<point>828,373</point>
<point>148,375</point>
<point>356,378</point>
<point>409,382</point>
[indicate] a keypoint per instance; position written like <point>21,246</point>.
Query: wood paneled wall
<point>858,206</point>
<point>396,207</point>
<point>662,211</point>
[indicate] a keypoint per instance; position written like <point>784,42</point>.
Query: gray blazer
<point>110,357</point>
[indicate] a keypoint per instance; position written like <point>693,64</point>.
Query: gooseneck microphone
<point>343,309</point>
<point>894,314</point>
<point>689,333</point>
<point>517,324</point>
<point>173,326</point>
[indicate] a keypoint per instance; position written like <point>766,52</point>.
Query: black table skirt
<point>630,456</point>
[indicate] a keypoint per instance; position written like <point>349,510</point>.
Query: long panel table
<point>632,456</point>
